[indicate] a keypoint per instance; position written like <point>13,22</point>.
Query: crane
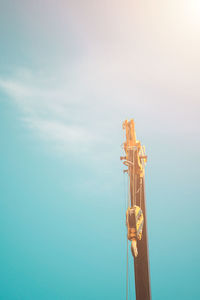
<point>136,220</point>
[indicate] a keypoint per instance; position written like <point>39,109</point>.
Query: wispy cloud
<point>55,112</point>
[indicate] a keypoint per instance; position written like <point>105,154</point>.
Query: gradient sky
<point>70,73</point>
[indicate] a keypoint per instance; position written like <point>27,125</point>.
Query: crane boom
<point>135,159</point>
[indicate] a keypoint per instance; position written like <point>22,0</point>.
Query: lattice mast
<point>135,159</point>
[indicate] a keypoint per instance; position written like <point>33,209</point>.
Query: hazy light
<point>192,12</point>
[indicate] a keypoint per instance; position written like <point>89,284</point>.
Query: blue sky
<point>70,73</point>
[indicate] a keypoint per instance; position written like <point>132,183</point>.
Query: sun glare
<point>192,12</point>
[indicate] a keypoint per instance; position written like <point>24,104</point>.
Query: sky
<point>70,73</point>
